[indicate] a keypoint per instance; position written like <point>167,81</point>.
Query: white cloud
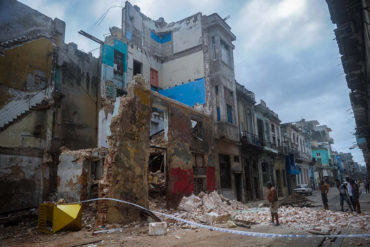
<point>285,24</point>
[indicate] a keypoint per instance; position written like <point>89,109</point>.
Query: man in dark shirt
<point>324,194</point>
<point>273,198</point>
<point>355,196</point>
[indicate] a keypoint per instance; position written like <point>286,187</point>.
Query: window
<point>236,159</point>
<point>214,48</point>
<point>154,77</point>
<point>216,90</point>
<point>118,63</point>
<point>137,67</point>
<point>273,128</point>
<point>229,110</point>
<point>218,114</point>
<point>225,53</point>
<point>318,154</point>
<point>197,128</point>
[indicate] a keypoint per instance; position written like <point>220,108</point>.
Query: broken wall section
<point>125,168</point>
<point>79,173</point>
<point>187,139</point>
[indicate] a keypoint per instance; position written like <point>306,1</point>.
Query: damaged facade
<point>46,87</point>
<point>159,113</point>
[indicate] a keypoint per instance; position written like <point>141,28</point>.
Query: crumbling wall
<point>79,172</point>
<point>23,181</point>
<point>125,168</point>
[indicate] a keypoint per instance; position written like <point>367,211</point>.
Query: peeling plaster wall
<point>22,182</point>
<point>181,70</point>
<point>70,172</point>
<point>78,172</point>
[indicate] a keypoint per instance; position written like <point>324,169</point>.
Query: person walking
<point>367,185</point>
<point>355,196</point>
<point>324,194</point>
<point>273,198</point>
<point>343,193</point>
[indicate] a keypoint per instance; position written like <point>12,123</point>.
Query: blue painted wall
<point>324,155</point>
<point>163,38</point>
<point>189,94</point>
<point>107,60</point>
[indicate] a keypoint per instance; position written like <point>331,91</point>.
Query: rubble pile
<point>296,200</point>
<point>213,208</point>
<point>205,208</point>
<point>307,218</point>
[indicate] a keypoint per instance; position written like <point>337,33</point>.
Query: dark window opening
<point>218,114</point>
<point>216,90</point>
<point>118,63</point>
<point>214,48</point>
<point>197,128</point>
<point>225,171</point>
<point>157,174</point>
<point>137,67</point>
<point>156,162</point>
<point>236,159</point>
<point>229,110</point>
<point>154,77</point>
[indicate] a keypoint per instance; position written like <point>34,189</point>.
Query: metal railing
<point>250,138</point>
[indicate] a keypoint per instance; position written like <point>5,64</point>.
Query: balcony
<point>228,131</point>
<point>248,138</point>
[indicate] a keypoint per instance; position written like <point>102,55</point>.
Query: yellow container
<point>53,218</point>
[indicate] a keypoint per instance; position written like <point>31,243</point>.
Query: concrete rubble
<point>214,209</point>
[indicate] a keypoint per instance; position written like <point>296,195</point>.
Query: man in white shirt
<point>349,188</point>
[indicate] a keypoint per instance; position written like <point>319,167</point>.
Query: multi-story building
<point>295,146</point>
<point>267,124</point>
<point>353,38</point>
<point>190,61</point>
<point>251,146</point>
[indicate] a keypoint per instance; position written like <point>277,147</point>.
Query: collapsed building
<point>158,113</point>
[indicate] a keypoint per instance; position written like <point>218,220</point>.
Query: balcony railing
<point>250,138</point>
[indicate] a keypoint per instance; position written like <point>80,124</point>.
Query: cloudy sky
<point>285,51</point>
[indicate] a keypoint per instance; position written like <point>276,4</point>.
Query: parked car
<point>303,189</point>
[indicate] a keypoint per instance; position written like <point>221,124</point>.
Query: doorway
<point>238,186</point>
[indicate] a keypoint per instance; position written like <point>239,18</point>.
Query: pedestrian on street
<point>367,185</point>
<point>349,189</point>
<point>355,196</point>
<point>343,192</point>
<point>324,194</point>
<point>273,198</point>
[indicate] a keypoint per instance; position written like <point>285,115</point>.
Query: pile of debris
<point>206,208</point>
<point>296,200</point>
<point>213,208</point>
<point>308,218</point>
<point>157,182</point>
